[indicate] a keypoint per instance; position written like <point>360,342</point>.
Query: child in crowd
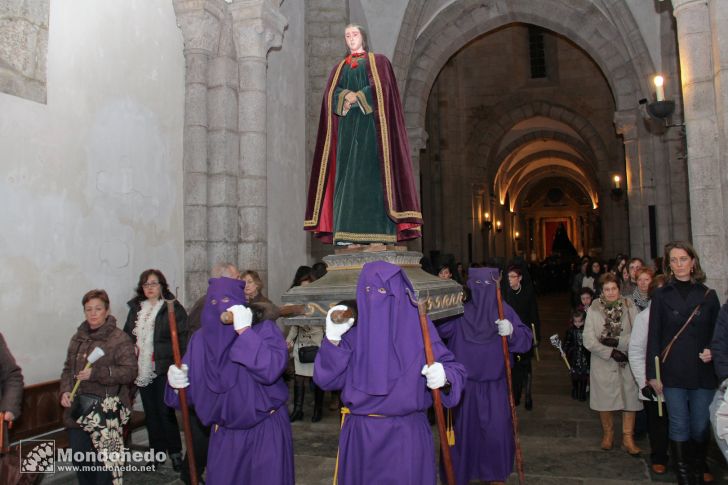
<point>577,355</point>
<point>586,296</point>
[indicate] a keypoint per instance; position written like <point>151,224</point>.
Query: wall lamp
<point>617,190</point>
<point>498,226</point>
<point>487,224</point>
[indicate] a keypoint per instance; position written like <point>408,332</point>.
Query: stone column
<point>200,22</point>
<point>257,27</point>
<point>705,170</point>
<point>626,125</point>
<point>418,142</point>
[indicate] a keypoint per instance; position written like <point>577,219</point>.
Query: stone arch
<point>614,43</point>
<point>552,171</point>
<point>508,178</point>
<point>487,134</point>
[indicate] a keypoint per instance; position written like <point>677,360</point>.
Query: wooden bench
<point>41,416</point>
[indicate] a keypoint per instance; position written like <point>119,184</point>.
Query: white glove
<point>505,327</point>
<point>177,377</point>
<point>242,316</point>
<point>435,375</point>
<point>334,331</point>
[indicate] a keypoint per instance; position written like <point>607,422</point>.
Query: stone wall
<point>91,182</point>
<point>24,48</point>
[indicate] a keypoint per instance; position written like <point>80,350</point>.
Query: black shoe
<point>176,459</point>
<point>681,457</point>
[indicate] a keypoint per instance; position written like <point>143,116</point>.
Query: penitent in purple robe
<point>236,386</point>
<point>484,445</point>
<point>386,439</point>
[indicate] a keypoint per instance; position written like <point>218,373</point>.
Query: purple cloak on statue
<point>484,445</point>
<point>236,386</point>
<point>386,438</point>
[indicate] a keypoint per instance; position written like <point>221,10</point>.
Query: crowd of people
<point>648,342</point>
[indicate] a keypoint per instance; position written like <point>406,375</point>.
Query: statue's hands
<point>351,98</point>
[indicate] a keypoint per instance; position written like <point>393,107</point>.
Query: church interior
<point>177,134</point>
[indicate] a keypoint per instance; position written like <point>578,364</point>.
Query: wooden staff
<point>511,401</point>
<point>285,311</point>
<point>659,396</point>
<point>436,398</point>
<point>182,392</point>
<point>535,343</point>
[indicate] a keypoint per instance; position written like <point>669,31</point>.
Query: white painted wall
<point>287,154</point>
<point>91,183</point>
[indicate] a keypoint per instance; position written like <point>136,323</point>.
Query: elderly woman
<point>606,335</point>
<point>682,318</point>
<point>253,287</point>
<point>305,337</point>
<point>107,379</point>
<point>148,325</point>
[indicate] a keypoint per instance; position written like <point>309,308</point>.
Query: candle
<point>617,179</point>
<point>657,375</point>
<point>659,88</point>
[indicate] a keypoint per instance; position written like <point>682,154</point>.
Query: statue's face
<point>353,39</point>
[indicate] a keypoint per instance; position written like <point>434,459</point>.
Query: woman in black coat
<point>148,326</point>
<point>688,381</point>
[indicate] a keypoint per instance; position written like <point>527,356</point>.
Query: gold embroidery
<point>323,173</point>
<point>360,237</point>
<point>362,98</point>
<point>384,137</point>
<point>340,102</point>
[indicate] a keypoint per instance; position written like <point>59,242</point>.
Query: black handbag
<point>84,404</point>
<point>306,355</point>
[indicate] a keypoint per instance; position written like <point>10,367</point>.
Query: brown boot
<point>607,429</point>
<point>628,418</point>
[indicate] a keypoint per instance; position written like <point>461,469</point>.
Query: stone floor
<point>560,437</point>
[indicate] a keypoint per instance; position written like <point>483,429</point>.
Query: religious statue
<point>362,189</point>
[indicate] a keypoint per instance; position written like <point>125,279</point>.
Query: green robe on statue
<point>360,215</point>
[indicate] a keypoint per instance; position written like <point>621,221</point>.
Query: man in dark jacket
<point>11,384</point>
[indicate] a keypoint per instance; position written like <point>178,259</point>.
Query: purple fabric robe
<point>386,439</point>
<point>484,445</point>
<point>236,385</point>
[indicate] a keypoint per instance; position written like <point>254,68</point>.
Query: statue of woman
<point>361,188</point>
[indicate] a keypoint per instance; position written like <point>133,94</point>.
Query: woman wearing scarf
<point>379,365</point>
<point>147,323</point>
<point>234,379</point>
<point>108,379</point>
<point>484,445</point>
<point>640,295</point>
<point>612,387</point>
